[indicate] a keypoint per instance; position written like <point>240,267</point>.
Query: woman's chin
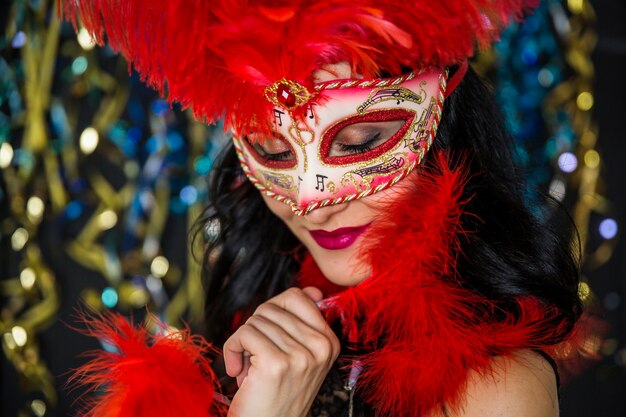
<point>346,273</point>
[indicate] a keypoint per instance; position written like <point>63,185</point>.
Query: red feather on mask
<point>218,56</point>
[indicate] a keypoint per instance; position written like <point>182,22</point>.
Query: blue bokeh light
<point>189,195</point>
<point>109,297</point>
<point>73,210</point>
<point>608,228</point>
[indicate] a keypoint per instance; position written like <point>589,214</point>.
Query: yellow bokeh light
<point>19,335</point>
<point>89,140</point>
<point>592,158</point>
<point>131,169</point>
<point>19,239</point>
<point>85,40</point>
<point>38,407</point>
<point>8,341</point>
<point>6,155</point>
<point>584,101</point>
<point>34,208</point>
<point>27,278</point>
<point>159,267</point>
<point>576,6</point>
<point>107,219</point>
<point>584,291</point>
<point>138,298</point>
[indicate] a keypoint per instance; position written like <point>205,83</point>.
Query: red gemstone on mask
<point>285,97</point>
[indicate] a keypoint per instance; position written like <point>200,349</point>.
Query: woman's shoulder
<point>523,384</point>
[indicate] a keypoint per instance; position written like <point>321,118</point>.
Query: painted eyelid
<point>275,142</point>
<point>357,148</point>
<point>267,152</point>
<point>267,160</point>
<point>370,138</point>
<point>329,136</point>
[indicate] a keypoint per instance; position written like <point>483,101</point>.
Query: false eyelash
<point>366,146</point>
<point>281,156</point>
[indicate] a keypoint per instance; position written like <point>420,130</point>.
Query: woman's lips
<point>339,238</point>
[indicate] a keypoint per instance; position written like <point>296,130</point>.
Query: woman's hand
<point>280,356</point>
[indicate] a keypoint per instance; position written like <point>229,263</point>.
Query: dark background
<point>601,389</point>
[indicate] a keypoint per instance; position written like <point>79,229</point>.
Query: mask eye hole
<point>273,152</point>
<point>361,138</point>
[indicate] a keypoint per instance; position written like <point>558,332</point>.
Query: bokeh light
<point>592,158</point>
<point>34,209</point>
<point>107,219</point>
<point>19,335</point>
<point>19,40</point>
<point>189,195</point>
<point>88,141</point>
<point>19,238</point>
<point>584,101</point>
<point>39,408</point>
<point>6,155</point>
<point>159,266</point>
<point>557,189</point>
<point>567,162</point>
<point>79,65</point>
<point>27,278</point>
<point>109,297</point>
<point>85,40</point>
<point>608,228</point>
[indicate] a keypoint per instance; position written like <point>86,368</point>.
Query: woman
<point>506,254</point>
<point>444,293</point>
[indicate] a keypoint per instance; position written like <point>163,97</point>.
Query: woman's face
<point>334,234</point>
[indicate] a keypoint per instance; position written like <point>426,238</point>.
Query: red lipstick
<point>339,238</point>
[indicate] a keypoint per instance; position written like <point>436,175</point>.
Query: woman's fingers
<point>280,356</point>
<point>297,302</point>
<point>313,293</point>
<point>246,340</point>
<point>289,324</point>
<point>244,372</point>
<point>289,332</point>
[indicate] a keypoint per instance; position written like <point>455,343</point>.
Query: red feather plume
<point>147,375</point>
<point>424,330</point>
<point>218,56</point>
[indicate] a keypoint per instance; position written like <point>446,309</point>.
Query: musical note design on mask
<point>422,127</point>
<point>362,178</point>
<point>320,182</point>
<point>278,116</point>
<point>390,165</point>
<point>397,94</point>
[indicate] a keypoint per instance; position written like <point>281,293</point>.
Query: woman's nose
<point>323,214</point>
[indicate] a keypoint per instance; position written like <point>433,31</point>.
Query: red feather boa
<point>433,332</point>
<point>147,375</point>
<point>217,56</point>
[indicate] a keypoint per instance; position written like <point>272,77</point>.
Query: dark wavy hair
<point>512,250</point>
